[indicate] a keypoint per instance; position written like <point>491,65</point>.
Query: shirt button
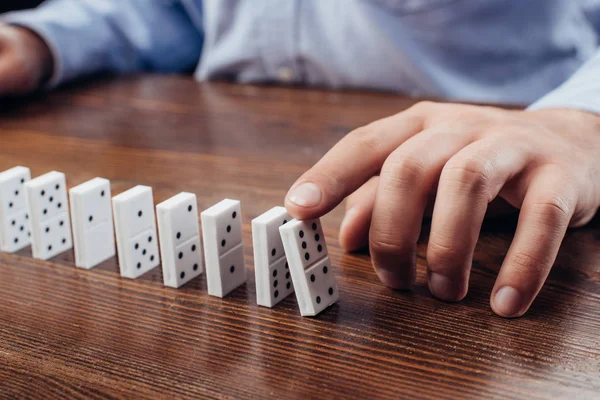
<point>285,74</point>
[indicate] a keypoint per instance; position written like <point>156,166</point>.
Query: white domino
<point>307,255</point>
<point>135,226</point>
<point>273,280</point>
<point>15,231</point>
<point>180,245</point>
<point>223,247</point>
<point>49,214</point>
<point>93,232</point>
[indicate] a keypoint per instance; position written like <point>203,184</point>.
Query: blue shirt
<point>499,51</point>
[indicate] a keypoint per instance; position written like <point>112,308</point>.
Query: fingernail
<point>443,287</point>
<point>508,302</point>
<point>306,195</point>
<point>393,279</point>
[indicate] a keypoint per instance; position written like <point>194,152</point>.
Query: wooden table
<point>66,332</point>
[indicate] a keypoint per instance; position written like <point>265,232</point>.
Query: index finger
<point>351,163</point>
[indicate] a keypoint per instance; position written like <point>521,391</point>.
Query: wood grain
<point>72,333</point>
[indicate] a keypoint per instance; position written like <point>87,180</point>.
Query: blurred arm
<point>88,36</point>
<point>581,91</point>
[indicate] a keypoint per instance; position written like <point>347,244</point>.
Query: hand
<point>544,162</point>
<point>25,60</point>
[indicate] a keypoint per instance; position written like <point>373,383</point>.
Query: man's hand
<point>25,61</point>
<point>547,163</point>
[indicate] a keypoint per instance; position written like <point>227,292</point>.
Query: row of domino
<point>289,255</point>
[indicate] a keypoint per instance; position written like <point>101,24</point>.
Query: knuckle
<point>553,210</point>
<point>423,106</point>
<point>441,256</point>
<point>403,171</point>
<point>524,264</point>
<point>367,138</point>
<point>473,172</point>
<point>387,246</point>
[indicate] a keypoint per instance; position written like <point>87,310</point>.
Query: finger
<point>468,183</point>
<point>547,209</point>
<point>350,163</point>
<point>354,231</point>
<point>406,180</point>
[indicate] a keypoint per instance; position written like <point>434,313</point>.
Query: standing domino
<point>308,258</point>
<point>179,239</point>
<point>49,212</point>
<point>223,247</point>
<point>135,226</point>
<point>14,216</point>
<point>93,230</point>
<point>273,280</point>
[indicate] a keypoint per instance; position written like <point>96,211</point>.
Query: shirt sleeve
<point>89,36</point>
<point>581,91</point>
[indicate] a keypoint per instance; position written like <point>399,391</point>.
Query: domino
<point>93,232</point>
<point>179,234</point>
<point>49,212</point>
<point>271,269</point>
<point>15,231</point>
<point>308,259</point>
<point>223,247</point>
<point>135,227</point>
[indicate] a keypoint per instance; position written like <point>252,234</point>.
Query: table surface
<point>77,333</point>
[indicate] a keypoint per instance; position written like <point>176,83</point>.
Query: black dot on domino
<point>317,237</point>
<point>304,245</point>
<point>26,216</point>
<point>274,273</point>
<point>273,252</point>
<point>314,226</point>
<point>276,293</point>
<point>232,268</point>
<point>149,239</point>
<point>325,269</point>
<point>144,252</point>
<point>43,193</point>
<point>16,192</point>
<point>289,285</point>
<point>51,199</point>
<point>13,222</point>
<point>45,211</point>
<point>195,267</point>
<point>50,248</point>
<point>284,222</point>
<point>47,229</point>
<point>16,240</point>
<point>287,275</point>
<point>137,246</point>
<point>59,205</point>
<point>287,266</point>
<point>275,283</point>
<point>178,236</point>
<point>193,247</point>
<point>182,275</point>
<point>102,193</point>
<point>64,241</point>
<point>330,291</point>
<point>152,257</point>
<point>301,234</point>
<point>180,255</point>
<point>312,277</point>
<point>306,256</point>
<point>234,214</point>
<point>139,265</point>
<point>223,243</point>
<point>190,208</point>
<point>57,186</point>
<point>318,299</point>
<point>22,180</point>
<point>91,218</point>
<point>319,248</point>
<point>10,205</point>
<point>61,223</point>
<point>21,228</point>
<point>228,228</point>
<point>140,213</point>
